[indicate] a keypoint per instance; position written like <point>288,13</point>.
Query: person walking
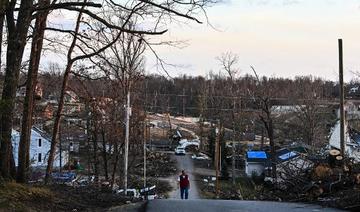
<point>184,185</point>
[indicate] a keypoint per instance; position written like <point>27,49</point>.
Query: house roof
<point>285,155</point>
<point>41,133</point>
<point>256,156</point>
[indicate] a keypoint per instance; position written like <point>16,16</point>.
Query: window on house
<point>39,142</point>
<point>39,157</point>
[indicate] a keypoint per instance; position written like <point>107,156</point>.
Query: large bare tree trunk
<point>55,133</point>
<point>17,34</point>
<point>36,47</point>
<point>116,146</point>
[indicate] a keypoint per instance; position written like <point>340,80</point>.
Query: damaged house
<point>291,163</point>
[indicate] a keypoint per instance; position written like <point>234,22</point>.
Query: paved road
<point>228,206</point>
<point>184,162</point>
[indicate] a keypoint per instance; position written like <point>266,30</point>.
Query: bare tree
<point>262,96</point>
<point>228,62</point>
<point>19,20</point>
<point>311,118</point>
<point>123,63</point>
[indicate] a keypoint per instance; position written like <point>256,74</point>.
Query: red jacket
<point>184,181</point>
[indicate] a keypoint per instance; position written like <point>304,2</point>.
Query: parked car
<point>180,151</point>
<point>200,156</point>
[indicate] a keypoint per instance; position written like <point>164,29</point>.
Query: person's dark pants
<point>184,191</point>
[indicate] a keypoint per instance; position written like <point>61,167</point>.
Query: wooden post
<point>342,113</point>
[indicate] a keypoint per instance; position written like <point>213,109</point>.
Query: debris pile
<point>333,182</point>
<point>160,165</point>
<point>330,180</point>
<point>162,187</point>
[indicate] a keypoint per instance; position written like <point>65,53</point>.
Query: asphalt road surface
<point>184,162</point>
<point>173,205</point>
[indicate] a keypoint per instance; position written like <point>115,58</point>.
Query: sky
<point>280,38</point>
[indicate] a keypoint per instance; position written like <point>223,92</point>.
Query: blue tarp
<point>63,177</point>
<point>257,154</point>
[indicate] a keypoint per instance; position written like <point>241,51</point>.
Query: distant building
<point>21,92</point>
<point>71,97</point>
<point>39,149</point>
<point>285,109</point>
<point>45,110</point>
<point>72,104</point>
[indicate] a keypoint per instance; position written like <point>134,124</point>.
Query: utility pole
<point>217,157</point>
<point>127,126</point>
<point>145,137</point>
<point>342,113</point>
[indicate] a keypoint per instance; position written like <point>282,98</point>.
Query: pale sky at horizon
<point>282,38</point>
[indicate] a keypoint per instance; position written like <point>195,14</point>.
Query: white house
<point>39,149</point>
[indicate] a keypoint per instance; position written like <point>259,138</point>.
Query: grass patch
<point>14,196</point>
